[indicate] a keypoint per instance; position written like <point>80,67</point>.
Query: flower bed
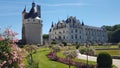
<point>10,54</point>
<point>53,56</point>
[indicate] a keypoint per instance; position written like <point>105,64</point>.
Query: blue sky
<point>92,12</point>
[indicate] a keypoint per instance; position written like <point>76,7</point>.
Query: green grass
<point>44,62</point>
<point>102,46</point>
<point>41,59</point>
<point>111,52</point>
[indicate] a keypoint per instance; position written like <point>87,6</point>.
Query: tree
<point>70,55</point>
<point>31,49</point>
<point>56,48</point>
<point>45,36</point>
<point>116,36</point>
<point>113,33</point>
<point>53,42</point>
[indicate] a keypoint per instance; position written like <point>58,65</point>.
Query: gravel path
<point>116,62</point>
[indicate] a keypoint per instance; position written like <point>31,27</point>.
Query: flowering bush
<point>10,54</point>
<point>89,51</point>
<point>70,54</point>
<point>56,48</point>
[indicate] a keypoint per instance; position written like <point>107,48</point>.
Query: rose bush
<point>10,54</point>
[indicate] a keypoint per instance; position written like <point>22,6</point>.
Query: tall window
<point>71,31</point>
<point>80,37</point>
<point>63,37</point>
<point>71,36</point>
<point>76,30</point>
<point>75,36</point>
<point>80,31</point>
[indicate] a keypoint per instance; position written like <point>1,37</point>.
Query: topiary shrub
<point>56,48</point>
<point>77,46</point>
<point>83,50</point>
<point>89,51</point>
<point>53,42</point>
<point>104,60</point>
<point>65,44</point>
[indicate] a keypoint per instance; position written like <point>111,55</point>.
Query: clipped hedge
<point>104,60</point>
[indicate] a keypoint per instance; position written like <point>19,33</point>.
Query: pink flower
<point>10,61</point>
<point>3,63</point>
<point>6,54</point>
<point>2,38</point>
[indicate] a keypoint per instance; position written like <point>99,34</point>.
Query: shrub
<point>65,44</point>
<point>11,55</point>
<point>56,48</point>
<point>89,51</point>
<point>70,54</point>
<point>83,50</point>
<point>104,60</point>
<point>53,42</point>
<point>31,49</point>
<point>77,46</point>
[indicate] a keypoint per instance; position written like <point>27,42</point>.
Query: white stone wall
<point>33,31</point>
<point>78,33</point>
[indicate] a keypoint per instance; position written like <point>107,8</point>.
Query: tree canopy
<point>113,33</point>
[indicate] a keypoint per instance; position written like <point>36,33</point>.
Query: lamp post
<point>87,46</point>
<point>87,54</point>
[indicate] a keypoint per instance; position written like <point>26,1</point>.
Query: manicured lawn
<point>41,59</point>
<point>44,62</point>
<point>103,46</point>
<point>111,52</point>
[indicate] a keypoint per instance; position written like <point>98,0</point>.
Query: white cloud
<point>66,4</point>
<point>52,11</point>
<point>10,14</point>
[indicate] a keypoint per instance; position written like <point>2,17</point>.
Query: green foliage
<point>104,60</point>
<point>116,36</point>
<point>113,33</point>
<point>56,48</point>
<point>70,54</point>
<point>42,61</point>
<point>87,50</point>
<point>45,36</point>
<point>10,53</point>
<point>83,50</point>
<point>77,46</point>
<point>31,49</point>
<point>53,42</point>
<point>65,44</point>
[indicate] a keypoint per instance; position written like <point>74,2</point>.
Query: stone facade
<point>73,31</point>
<point>32,25</point>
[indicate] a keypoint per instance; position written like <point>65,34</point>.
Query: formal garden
<point>53,55</point>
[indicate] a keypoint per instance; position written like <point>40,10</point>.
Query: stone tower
<point>32,25</point>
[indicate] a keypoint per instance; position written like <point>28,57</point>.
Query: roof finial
<point>33,4</point>
<point>67,16</point>
<point>82,23</point>
<point>52,24</point>
<point>24,9</point>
